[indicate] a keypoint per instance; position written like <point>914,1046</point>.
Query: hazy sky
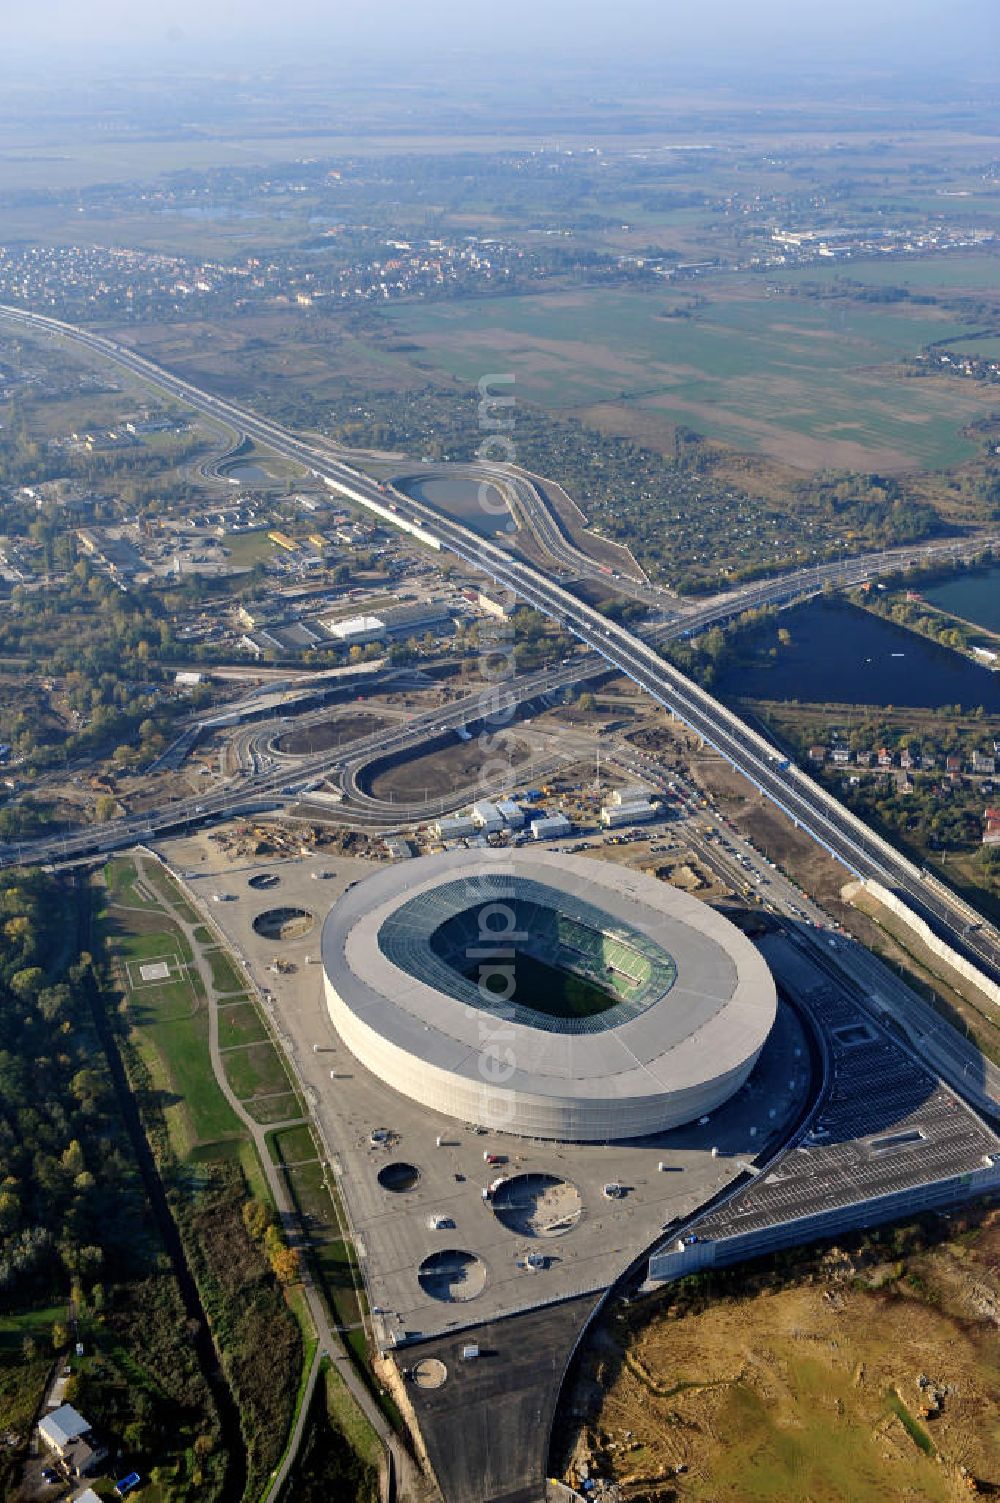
<point>884,32</point>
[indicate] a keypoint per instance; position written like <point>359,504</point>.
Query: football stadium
<point>546,995</point>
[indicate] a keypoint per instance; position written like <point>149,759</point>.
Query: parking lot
<point>887,1123</point>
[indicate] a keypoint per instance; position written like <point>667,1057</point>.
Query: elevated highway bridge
<point>808,805</point>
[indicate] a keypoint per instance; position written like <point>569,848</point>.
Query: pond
<point>249,474</point>
<point>840,654</point>
<point>460,499</point>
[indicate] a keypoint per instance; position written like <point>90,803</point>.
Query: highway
<point>806,803</point>
<point>275,785</point>
<point>526,500</point>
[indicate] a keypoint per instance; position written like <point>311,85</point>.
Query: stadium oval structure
<point>545,995</point>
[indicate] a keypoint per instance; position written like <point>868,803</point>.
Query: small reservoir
<point>480,507</point>
<point>251,475</point>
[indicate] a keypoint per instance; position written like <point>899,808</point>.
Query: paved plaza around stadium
<point>392,1228</point>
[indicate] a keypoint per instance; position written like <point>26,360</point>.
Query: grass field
<point>808,382</point>
<point>348,1418</point>
<point>169,1019</point>
<point>240,1023</point>
<point>247,548</point>
<point>293,1145</point>
<point>176,1053</point>
<point>225,975</point>
<point>983,349</point>
<point>121,880</point>
<point>334,1257</point>
<point>255,1070</point>
<point>157,880</point>
<point>945,273</point>
<point>554,992</point>
<point>268,1109</point>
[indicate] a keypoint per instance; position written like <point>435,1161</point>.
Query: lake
<point>840,654</point>
<point>974,596</point>
<point>487,514</point>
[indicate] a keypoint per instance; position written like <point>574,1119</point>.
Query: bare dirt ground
<point>861,1375</point>
<point>439,772</point>
<point>818,874</point>
<point>321,735</point>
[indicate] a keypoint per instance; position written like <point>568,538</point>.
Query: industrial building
<point>397,620</point>
<point>550,827</point>
<point>455,827</point>
<point>511,813</point>
<point>493,605</point>
<point>487,817</point>
<point>639,812</point>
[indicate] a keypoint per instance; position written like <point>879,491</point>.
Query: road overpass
<point>808,805</point>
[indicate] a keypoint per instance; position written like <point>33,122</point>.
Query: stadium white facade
<point>546,995</point>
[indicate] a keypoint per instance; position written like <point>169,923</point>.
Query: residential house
<point>70,1437</point>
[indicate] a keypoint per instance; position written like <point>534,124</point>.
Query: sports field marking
<point>146,973</point>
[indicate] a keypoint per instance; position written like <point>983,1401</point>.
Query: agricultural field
<point>811,383</point>
<point>952,273</point>
<point>987,348</point>
<point>296,365</point>
<point>864,1375</point>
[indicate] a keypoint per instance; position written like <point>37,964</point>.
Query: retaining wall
<point>939,947</point>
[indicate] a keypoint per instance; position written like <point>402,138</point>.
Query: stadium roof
<point>680,1036</point>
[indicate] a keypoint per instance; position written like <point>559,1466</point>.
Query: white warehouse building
<point>455,827</point>
<point>550,827</point>
<point>511,813</point>
<point>637,813</point>
<point>487,817</point>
